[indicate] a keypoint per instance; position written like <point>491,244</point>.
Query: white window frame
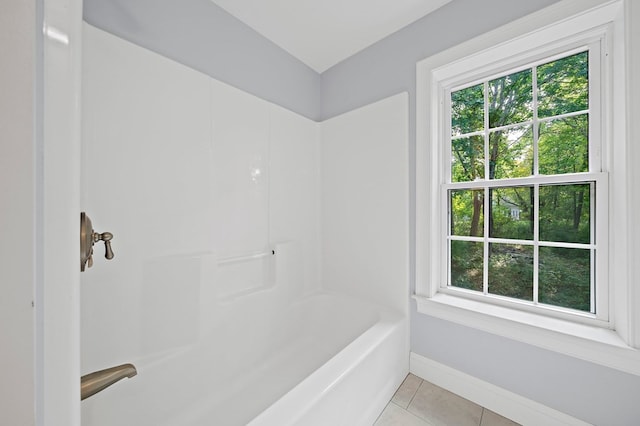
<point>611,339</point>
<point>456,76</point>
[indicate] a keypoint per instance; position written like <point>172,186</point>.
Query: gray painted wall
<point>201,35</point>
<point>596,394</point>
<point>18,151</point>
<point>389,66</point>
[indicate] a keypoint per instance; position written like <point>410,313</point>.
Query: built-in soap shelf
<point>244,274</point>
<point>246,257</point>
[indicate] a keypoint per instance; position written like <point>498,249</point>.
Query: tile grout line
<point>424,419</point>
<point>412,398</point>
<point>412,414</point>
<point>397,405</point>
<point>414,394</point>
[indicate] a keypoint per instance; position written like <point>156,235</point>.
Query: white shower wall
<point>221,213</point>
<point>198,182</point>
<point>365,203</point>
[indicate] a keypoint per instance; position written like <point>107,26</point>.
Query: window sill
<point>594,344</point>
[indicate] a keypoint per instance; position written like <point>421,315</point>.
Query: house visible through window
<point>522,183</point>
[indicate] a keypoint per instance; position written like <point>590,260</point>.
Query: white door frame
<point>57,229</point>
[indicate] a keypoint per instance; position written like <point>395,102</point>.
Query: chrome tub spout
<point>92,383</point>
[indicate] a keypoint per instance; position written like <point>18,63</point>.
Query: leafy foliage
<point>565,277</point>
<point>511,271</point>
<point>467,110</point>
<point>563,146</point>
<point>563,85</point>
<point>466,265</point>
<point>508,143</point>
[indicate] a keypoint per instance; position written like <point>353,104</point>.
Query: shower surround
<point>261,258</point>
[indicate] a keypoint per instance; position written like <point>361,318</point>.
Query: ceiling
<point>322,33</point>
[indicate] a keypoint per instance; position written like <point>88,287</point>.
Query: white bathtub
<point>333,360</point>
<point>324,360</point>
<point>368,362</point>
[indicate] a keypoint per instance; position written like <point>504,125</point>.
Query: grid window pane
<point>467,110</point>
<point>511,153</point>
<point>565,213</point>
<point>565,278</point>
<point>563,145</point>
<point>563,85</point>
<point>511,271</point>
<point>528,130</point>
<point>510,99</point>
<point>467,212</point>
<point>467,159</point>
<point>467,265</point>
<point>512,212</point>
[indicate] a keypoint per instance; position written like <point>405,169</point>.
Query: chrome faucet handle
<point>106,237</point>
<point>88,237</point>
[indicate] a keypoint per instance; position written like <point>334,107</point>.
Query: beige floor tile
<point>397,416</point>
<point>443,408</point>
<point>407,390</point>
<point>489,418</point>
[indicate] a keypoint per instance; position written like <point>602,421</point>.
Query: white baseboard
<point>508,404</point>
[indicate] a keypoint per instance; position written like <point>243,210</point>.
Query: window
<point>524,184</point>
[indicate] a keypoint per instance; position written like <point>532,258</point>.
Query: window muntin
<point>520,186</point>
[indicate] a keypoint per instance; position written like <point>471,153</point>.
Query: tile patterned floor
<point>420,403</point>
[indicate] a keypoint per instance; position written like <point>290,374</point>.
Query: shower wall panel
<point>365,202</point>
<point>212,196</point>
<point>148,178</point>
